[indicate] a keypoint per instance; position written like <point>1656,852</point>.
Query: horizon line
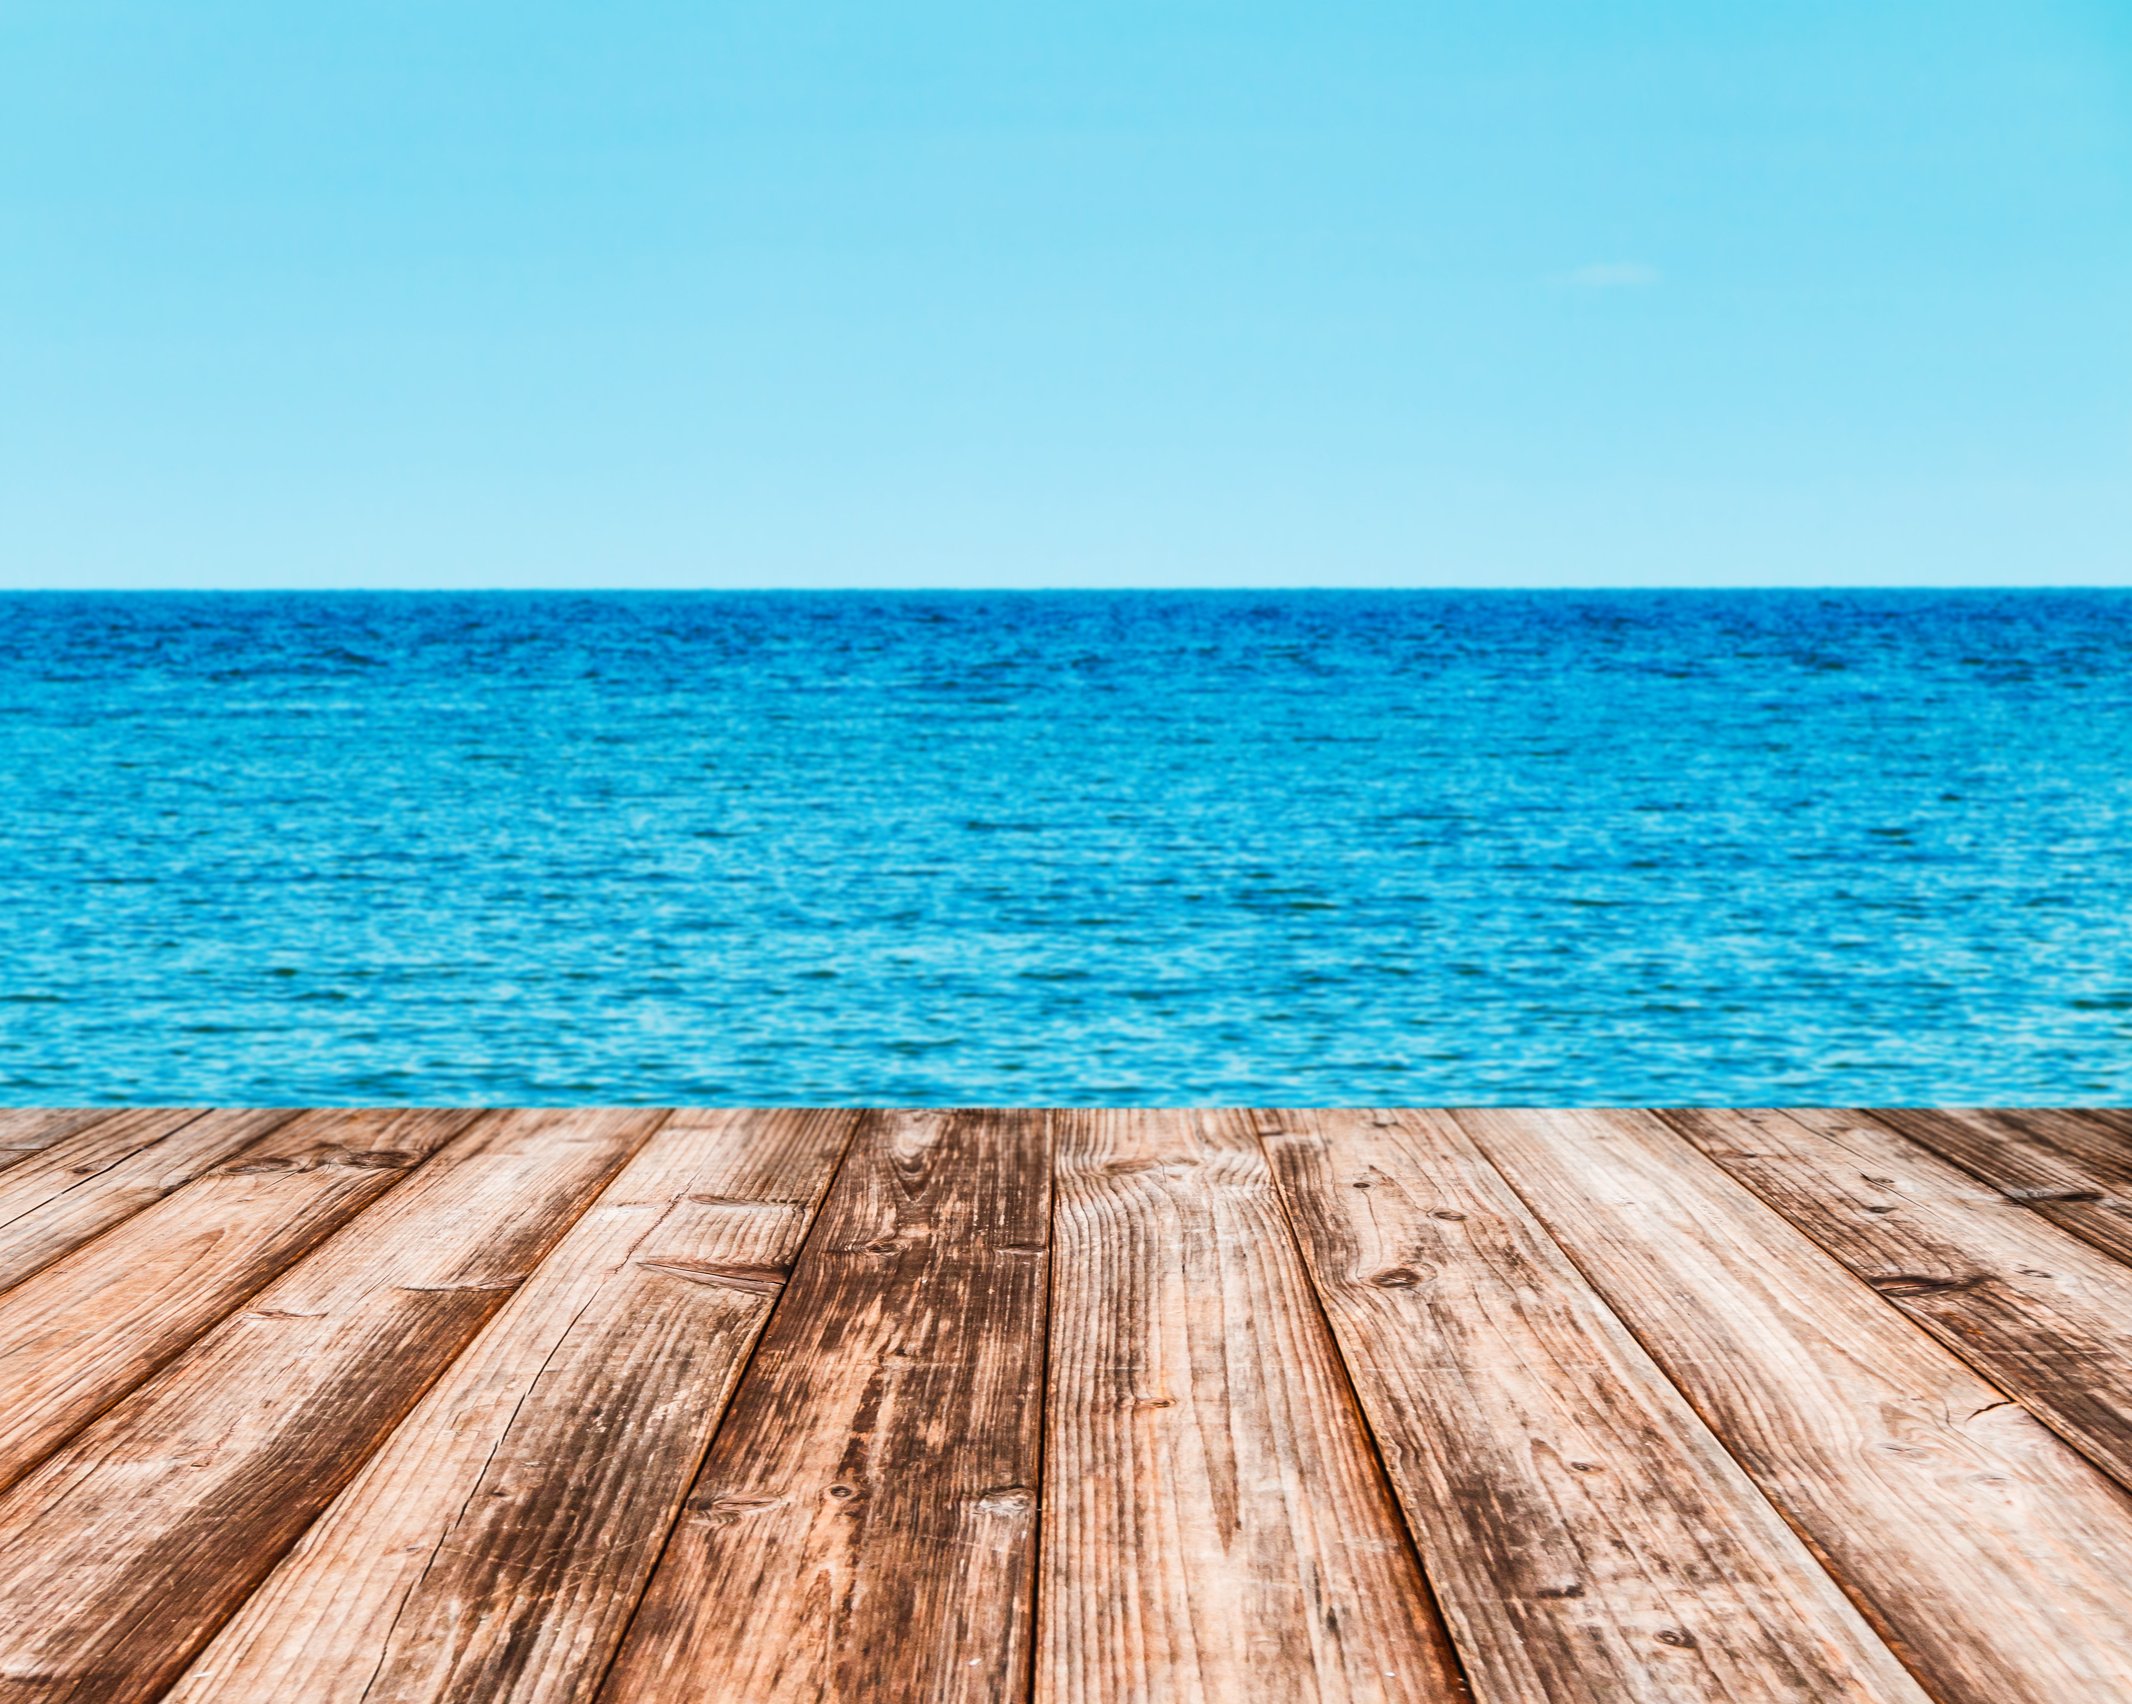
<point>1054,590</point>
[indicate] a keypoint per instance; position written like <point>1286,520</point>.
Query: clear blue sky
<point>932,293</point>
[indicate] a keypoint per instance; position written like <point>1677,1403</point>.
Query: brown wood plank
<point>495,1547</point>
<point>78,1335</point>
<point>78,1188</point>
<point>1989,1552</point>
<point>125,1551</point>
<point>2110,1124</point>
<point>1215,1524</point>
<point>2089,1145</point>
<point>2062,1167</point>
<point>2100,1137</point>
<point>27,1130</point>
<point>864,1527</point>
<point>2044,1316</point>
<point>1589,1539</point>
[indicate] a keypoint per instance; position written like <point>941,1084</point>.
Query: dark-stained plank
<point>2112,1124</point>
<point>86,1329</point>
<point>1215,1525</point>
<point>2040,1313</point>
<point>1988,1551</point>
<point>495,1547</point>
<point>1589,1539</point>
<point>2062,1167</point>
<point>2100,1137</point>
<point>27,1130</point>
<point>123,1552</point>
<point>78,1188</point>
<point>864,1527</point>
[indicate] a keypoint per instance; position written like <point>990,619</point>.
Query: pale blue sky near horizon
<point>942,294</point>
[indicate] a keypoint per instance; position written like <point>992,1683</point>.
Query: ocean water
<point>1311,848</point>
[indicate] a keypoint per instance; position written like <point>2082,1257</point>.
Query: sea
<point>1165,848</point>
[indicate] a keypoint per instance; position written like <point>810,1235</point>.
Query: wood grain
<point>1984,1548</point>
<point>78,1188</point>
<point>2041,1314</point>
<point>88,1328</point>
<point>1215,1524</point>
<point>124,1552</point>
<point>1590,1540</point>
<point>2100,1138</point>
<point>864,1527</point>
<point>2073,1171</point>
<point>2111,1125</point>
<point>27,1130</point>
<point>495,1547</point>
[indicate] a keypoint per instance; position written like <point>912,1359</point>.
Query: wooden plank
<point>864,1527</point>
<point>27,1130</point>
<point>78,1335</point>
<point>495,1547</point>
<point>78,1188</point>
<point>2110,1124</point>
<point>1984,1548</point>
<point>1215,1524</point>
<point>2100,1137</point>
<point>2062,1167</point>
<point>2041,1314</point>
<point>1589,1539</point>
<point>125,1551</point>
<point>2088,1145</point>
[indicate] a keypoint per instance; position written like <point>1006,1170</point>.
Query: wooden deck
<point>1532,1408</point>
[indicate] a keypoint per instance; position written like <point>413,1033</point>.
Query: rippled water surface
<point>1308,848</point>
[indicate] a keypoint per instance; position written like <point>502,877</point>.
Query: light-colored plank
<point>2070,1170</point>
<point>864,1527</point>
<point>123,1552</point>
<point>82,1332</point>
<point>27,1130</point>
<point>1985,1548</point>
<point>78,1188</point>
<point>1589,1539</point>
<point>495,1547</point>
<point>1215,1525</point>
<point>2044,1316</point>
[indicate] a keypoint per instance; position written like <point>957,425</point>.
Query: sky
<point>1541,292</point>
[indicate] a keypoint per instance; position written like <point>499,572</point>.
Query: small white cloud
<point>1613,275</point>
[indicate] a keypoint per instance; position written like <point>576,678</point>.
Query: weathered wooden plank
<point>495,1547</point>
<point>2040,1313</point>
<point>2100,1137</point>
<point>82,1332</point>
<point>1988,1551</point>
<point>80,1187</point>
<point>1589,1539</point>
<point>122,1553</point>
<point>27,1130</point>
<point>2066,1169</point>
<point>1215,1525</point>
<point>864,1527</point>
<point>2065,1144</point>
<point>2109,1124</point>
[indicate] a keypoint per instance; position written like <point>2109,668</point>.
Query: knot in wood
<point>1012,1500</point>
<point>1900,1284</point>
